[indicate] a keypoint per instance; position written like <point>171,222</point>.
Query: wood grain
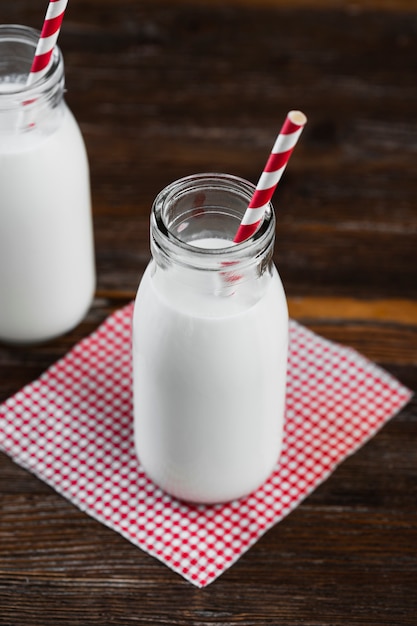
<point>348,5</point>
<point>163,89</point>
<point>395,311</point>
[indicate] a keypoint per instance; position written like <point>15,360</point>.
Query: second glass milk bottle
<point>47,272</point>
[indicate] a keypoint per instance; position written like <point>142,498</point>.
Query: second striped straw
<point>49,35</point>
<point>273,170</point>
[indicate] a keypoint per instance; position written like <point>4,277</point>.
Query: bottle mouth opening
<point>207,209</point>
<point>17,50</point>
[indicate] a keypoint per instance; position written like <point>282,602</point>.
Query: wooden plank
<point>348,5</point>
<point>400,311</point>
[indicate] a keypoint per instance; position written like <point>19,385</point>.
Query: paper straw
<point>49,35</point>
<point>273,170</point>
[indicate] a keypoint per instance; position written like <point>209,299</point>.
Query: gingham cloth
<point>73,429</point>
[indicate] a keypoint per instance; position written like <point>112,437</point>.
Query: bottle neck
<point>29,109</point>
<point>197,267</point>
<point>195,219</point>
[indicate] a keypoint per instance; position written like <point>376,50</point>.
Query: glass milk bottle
<point>210,334</point>
<point>47,273</point>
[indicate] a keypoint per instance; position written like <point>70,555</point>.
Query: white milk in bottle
<point>47,273</point>
<point>210,334</point>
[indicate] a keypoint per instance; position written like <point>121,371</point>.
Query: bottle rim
<point>46,83</point>
<point>168,241</point>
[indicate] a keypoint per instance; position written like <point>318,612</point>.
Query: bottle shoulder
<point>161,290</point>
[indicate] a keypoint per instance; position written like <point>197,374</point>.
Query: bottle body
<point>209,371</point>
<point>47,271</point>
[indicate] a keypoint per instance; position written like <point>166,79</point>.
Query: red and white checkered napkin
<point>73,428</point>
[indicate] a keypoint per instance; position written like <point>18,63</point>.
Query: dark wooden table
<point>165,89</point>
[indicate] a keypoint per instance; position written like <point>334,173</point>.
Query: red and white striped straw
<point>49,35</point>
<point>273,170</point>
